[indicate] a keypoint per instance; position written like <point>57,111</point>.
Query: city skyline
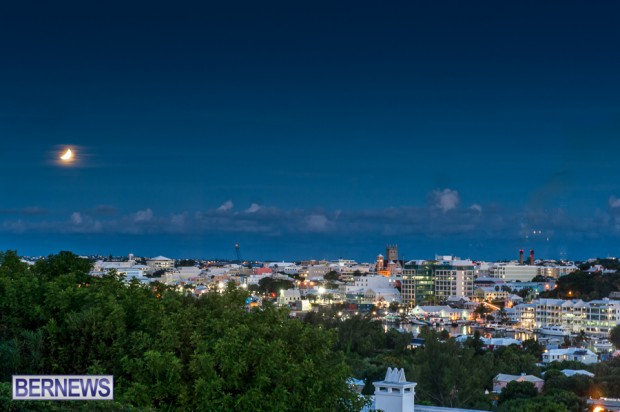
<point>311,131</point>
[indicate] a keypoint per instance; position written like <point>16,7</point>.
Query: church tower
<point>391,253</point>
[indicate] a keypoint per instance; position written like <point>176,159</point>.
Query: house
<point>490,294</point>
<point>288,296</point>
<point>493,343</point>
<point>440,313</point>
<point>575,354</point>
<point>502,380</point>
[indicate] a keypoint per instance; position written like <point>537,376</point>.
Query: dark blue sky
<point>311,129</point>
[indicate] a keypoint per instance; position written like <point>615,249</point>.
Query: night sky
<point>307,129</point>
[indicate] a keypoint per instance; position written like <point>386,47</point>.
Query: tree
<point>580,339</point>
<point>614,336</point>
<point>450,374</point>
<point>533,347</point>
<point>271,285</point>
<point>165,349</point>
<point>514,361</point>
<point>186,263</point>
<point>481,310</point>
<point>331,276</point>
<point>517,390</point>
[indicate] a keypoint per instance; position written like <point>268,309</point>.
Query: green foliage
<point>270,285</point>
<point>540,404</point>
<point>614,336</point>
<point>533,347</point>
<point>167,351</point>
<point>331,276</point>
<point>567,364</point>
<point>557,401</point>
<point>517,390</point>
<point>451,374</point>
<point>585,286</point>
<point>186,263</point>
<point>607,376</point>
<point>514,361</point>
<point>580,385</point>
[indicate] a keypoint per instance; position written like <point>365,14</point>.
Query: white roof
<point>504,377</point>
<point>571,372</point>
<point>570,351</point>
<point>160,258</point>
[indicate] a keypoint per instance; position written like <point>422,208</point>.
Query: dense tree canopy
<point>585,286</point>
<point>166,350</point>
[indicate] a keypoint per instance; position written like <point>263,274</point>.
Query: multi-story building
<point>513,272</point>
<point>526,315</point>
<point>160,262</point>
<point>446,277</point>
<point>596,317</point>
<point>417,282</point>
<point>453,278</point>
<point>601,316</point>
<point>490,294</point>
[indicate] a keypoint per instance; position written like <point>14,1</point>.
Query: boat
<point>553,331</point>
<point>420,322</point>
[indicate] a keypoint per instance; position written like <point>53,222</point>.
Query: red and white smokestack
<point>532,257</point>
<point>521,257</point>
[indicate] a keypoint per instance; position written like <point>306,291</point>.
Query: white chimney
<point>394,393</point>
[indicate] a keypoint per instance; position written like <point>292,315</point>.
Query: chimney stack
<point>532,257</point>
<point>521,257</point>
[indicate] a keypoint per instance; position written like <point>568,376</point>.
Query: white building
<point>490,294</point>
<point>382,296</point>
<point>440,313</point>
<point>316,271</point>
<point>596,317</point>
<point>362,283</point>
<point>453,278</point>
<point>572,354</point>
<point>128,269</point>
<point>525,315</point>
<point>160,262</point>
<point>513,272</point>
<point>288,296</point>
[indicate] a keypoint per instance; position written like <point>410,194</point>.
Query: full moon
<point>67,156</point>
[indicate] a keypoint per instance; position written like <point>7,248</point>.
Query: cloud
<point>430,221</point>
<point>76,218</point>
<point>254,207</point>
<point>178,219</point>
<point>317,223</point>
<point>226,206</point>
<point>144,215</point>
<point>446,199</point>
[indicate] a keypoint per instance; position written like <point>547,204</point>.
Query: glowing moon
<point>67,156</point>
